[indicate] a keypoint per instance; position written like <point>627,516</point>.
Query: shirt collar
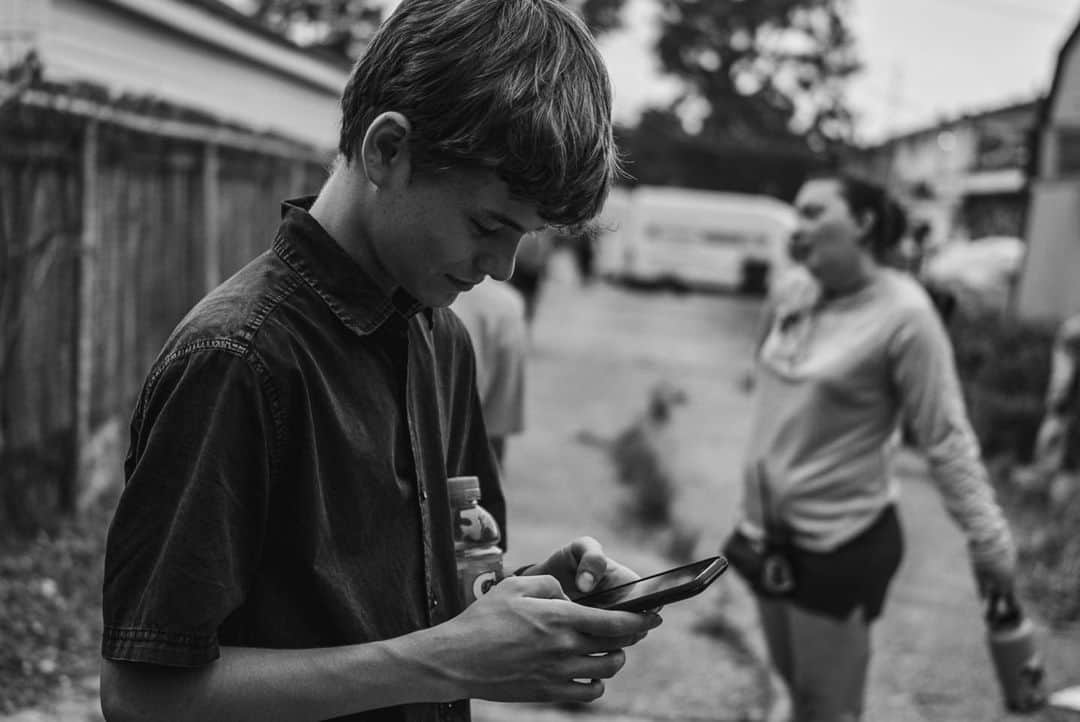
<point>343,284</point>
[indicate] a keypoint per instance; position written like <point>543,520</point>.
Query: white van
<point>695,238</point>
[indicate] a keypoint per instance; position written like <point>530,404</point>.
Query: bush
<point>50,608</point>
<point>1004,366</point>
<point>1006,424</point>
<point>1048,540</point>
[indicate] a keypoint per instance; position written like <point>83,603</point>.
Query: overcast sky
<point>923,59</point>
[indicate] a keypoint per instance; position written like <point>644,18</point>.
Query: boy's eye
<point>482,230</point>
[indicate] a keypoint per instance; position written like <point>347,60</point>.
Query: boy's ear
<point>385,149</point>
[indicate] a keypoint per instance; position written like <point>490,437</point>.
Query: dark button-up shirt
<point>286,479</point>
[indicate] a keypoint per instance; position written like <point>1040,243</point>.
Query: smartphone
<point>657,590</point>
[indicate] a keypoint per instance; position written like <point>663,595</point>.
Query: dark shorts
<point>855,574</point>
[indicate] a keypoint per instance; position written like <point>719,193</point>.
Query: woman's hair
<point>517,86</point>
<point>862,196</point>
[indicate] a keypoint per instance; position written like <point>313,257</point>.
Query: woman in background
<point>851,347</point>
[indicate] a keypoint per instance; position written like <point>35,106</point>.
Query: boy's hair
<point>862,195</point>
<point>517,86</point>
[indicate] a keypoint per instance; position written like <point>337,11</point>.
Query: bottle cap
<point>463,489</point>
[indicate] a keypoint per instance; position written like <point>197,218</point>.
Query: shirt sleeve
<point>924,374</point>
<point>186,535</point>
<point>504,395</point>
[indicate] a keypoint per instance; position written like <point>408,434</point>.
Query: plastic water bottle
<point>1019,667</point>
<point>476,539</point>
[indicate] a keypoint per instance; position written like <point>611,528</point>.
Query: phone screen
<point>662,582</point>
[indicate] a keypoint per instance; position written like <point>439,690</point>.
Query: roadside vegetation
<point>1005,366</point>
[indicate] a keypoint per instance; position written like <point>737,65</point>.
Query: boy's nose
<point>499,266</point>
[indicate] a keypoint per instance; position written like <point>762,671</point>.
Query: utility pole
<point>894,103</point>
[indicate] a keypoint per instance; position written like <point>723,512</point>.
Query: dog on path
<point>642,455</point>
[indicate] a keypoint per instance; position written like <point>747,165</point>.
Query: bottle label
<point>482,583</point>
<point>478,575</point>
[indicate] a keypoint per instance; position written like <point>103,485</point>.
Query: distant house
<point>961,178</point>
<point>198,54</point>
<point>1050,282</point>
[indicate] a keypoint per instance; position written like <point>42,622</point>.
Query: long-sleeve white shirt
<point>833,380</point>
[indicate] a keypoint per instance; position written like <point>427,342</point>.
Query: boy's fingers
<point>606,623</point>
<point>602,645</point>
<point>575,691</point>
<point>592,563</point>
<point>596,666</point>
<point>541,586</point>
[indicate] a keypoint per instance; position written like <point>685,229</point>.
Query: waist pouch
<point>765,565</point>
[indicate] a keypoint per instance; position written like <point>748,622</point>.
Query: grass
<point>50,608</point>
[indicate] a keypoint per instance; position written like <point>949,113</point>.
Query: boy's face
<point>439,234</point>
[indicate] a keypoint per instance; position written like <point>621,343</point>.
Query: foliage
<point>763,102</point>
<point>344,27</point>
<point>1004,366</point>
<point>50,609</point>
<point>602,16</point>
<point>763,70</point>
<point>1049,547</point>
<point>659,151</point>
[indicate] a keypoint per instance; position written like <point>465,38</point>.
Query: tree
<point>754,71</point>
<point>602,16</point>
<point>761,71</point>
<point>659,151</point>
<point>344,27</point>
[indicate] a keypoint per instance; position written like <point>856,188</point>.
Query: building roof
<point>245,22</point>
<point>199,54</point>
<point>1042,116</point>
<point>1032,105</point>
<point>227,29</point>
<point>1059,71</point>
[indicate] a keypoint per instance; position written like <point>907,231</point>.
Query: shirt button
<point>434,601</point>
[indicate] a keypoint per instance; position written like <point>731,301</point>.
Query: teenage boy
<point>282,549</point>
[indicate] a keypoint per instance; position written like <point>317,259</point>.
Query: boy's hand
<point>524,641</point>
<point>581,566</point>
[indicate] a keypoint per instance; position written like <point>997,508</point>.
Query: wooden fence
<point>113,222</point>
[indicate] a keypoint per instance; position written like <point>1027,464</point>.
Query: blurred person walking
<point>494,315</point>
<point>530,268</point>
<point>850,348</point>
<point>1057,447</point>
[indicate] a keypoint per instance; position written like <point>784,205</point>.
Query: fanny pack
<point>764,564</point>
